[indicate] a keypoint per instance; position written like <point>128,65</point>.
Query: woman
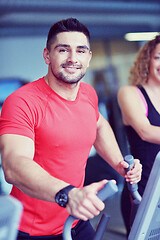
<point>140,107</point>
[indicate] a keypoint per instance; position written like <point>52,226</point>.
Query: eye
<point>81,51</point>
<point>157,57</point>
<point>61,50</point>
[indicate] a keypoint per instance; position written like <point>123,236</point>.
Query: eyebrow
<point>66,45</point>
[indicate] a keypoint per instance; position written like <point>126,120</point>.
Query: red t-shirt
<point>63,131</point>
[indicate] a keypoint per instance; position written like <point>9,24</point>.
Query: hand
<point>84,203</point>
<point>134,175</point>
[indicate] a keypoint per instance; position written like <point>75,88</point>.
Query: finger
<point>91,196</point>
<point>86,210</point>
<point>137,168</point>
<point>92,209</point>
<point>86,204</point>
<point>133,178</point>
<point>124,164</point>
<point>114,181</point>
<point>99,185</point>
<point>133,181</point>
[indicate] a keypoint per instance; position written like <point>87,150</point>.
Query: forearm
<point>106,145</point>
<point>30,178</point>
<point>149,133</point>
<point>34,181</point>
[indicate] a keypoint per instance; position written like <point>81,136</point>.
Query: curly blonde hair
<point>140,70</point>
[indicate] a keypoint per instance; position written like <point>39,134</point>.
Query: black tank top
<point>144,151</point>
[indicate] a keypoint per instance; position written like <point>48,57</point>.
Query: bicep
<point>13,146</point>
<point>102,124</point>
<point>100,121</point>
<point>104,130</point>
<point>132,108</point>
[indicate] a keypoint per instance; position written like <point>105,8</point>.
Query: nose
<point>72,57</point>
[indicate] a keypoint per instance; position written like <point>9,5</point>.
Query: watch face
<point>62,196</point>
<point>62,199</point>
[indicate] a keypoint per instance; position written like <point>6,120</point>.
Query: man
<point>47,130</point>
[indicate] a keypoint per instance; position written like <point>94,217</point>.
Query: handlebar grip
<point>130,160</point>
<point>108,190</point>
<point>133,188</point>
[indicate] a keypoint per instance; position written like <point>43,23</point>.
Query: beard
<point>68,78</point>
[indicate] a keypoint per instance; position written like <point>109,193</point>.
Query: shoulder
<point>87,88</point>
<point>129,97</point>
<point>24,105</point>
<point>27,100</point>
<point>127,92</point>
<point>26,93</point>
<point>31,86</point>
<point>126,89</point>
<point>89,94</point>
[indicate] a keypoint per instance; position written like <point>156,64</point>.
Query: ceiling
<point>105,19</point>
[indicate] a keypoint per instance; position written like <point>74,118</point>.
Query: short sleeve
<point>93,98</point>
<point>17,117</point>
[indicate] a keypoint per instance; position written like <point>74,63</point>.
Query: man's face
<point>69,57</point>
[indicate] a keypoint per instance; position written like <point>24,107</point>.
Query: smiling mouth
<point>71,69</point>
<point>71,66</point>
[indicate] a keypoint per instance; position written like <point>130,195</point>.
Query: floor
<point>115,229</point>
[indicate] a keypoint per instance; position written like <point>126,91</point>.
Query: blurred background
<point>24,25</point>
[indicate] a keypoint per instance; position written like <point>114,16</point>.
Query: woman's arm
<point>133,114</point>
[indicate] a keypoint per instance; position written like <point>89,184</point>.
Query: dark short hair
<point>66,25</point>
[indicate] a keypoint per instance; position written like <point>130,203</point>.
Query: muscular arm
<point>106,144</point>
<point>20,169</point>
<point>107,147</point>
<point>133,113</point>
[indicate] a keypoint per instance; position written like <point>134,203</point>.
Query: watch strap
<point>62,196</point>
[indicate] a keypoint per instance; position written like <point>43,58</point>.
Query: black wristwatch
<point>62,196</point>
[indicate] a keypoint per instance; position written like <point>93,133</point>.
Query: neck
<point>153,86</point>
<point>65,90</point>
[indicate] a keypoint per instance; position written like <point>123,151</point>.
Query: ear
<point>46,56</point>
<point>90,56</point>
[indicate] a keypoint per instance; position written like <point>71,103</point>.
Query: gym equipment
<point>133,188</point>
<point>109,189</point>
<point>146,225</point>
<point>10,213</point>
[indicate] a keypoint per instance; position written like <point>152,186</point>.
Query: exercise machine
<point>10,214</point>
<point>146,225</point>
<point>109,189</point>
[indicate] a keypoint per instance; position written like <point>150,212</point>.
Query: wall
<point>118,53</point>
<point>22,57</point>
